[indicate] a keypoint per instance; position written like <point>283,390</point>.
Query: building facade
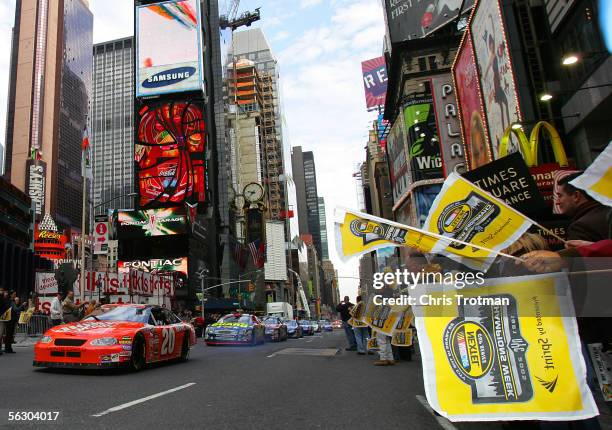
<point>48,104</point>
<point>323,229</point>
<point>112,125</point>
<point>305,179</point>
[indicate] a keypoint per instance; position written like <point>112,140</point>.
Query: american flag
<point>257,253</point>
<point>239,252</point>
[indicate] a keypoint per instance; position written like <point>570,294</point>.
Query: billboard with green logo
<point>423,141</point>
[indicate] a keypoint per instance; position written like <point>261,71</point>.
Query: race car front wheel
<point>185,348</point>
<point>138,360</point>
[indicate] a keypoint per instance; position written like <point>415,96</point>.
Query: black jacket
<point>4,305</point>
<point>590,222</point>
<point>344,309</point>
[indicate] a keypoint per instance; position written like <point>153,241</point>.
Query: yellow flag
<point>507,350</point>
<point>358,233</point>
<point>463,212</point>
<point>597,179</point>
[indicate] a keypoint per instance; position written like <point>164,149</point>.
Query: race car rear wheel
<point>185,348</point>
<point>138,359</point>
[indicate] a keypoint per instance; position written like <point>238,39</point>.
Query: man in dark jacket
<point>344,309</point>
<point>16,308</point>
<point>5,305</point>
<point>588,218</point>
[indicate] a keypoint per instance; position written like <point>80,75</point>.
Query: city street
<point>317,385</point>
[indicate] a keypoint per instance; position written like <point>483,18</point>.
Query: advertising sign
<point>496,75</point>
<point>168,48</point>
<point>36,181</point>
<point>46,283</point>
<point>412,19</point>
<point>518,360</point>
<point>178,264</point>
<point>423,142</point>
<point>275,266</point>
<point>374,82</point>
<point>398,159</point>
<point>170,154</point>
<point>152,222</point>
<point>100,237</point>
<point>447,120</point>
<point>509,179</point>
<point>471,112</point>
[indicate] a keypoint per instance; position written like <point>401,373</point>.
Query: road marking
<point>271,355</point>
<point>444,423</point>
<point>144,399</point>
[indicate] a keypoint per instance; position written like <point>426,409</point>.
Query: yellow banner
<point>383,318</point>
<point>597,179</point>
<point>464,212</point>
<point>508,350</point>
<point>402,338</point>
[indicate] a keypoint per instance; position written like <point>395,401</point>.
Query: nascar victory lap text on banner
<point>519,361</point>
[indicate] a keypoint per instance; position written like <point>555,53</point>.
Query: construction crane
<point>232,21</point>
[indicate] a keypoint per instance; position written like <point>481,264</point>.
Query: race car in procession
<point>118,336</point>
<point>276,329</point>
<point>316,326</point>
<point>326,325</point>
<point>236,329</point>
<point>307,327</point>
<point>294,330</point>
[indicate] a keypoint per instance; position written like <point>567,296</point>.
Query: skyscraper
<point>323,221</point>
<point>305,178</point>
<point>252,45</point>
<point>50,83</point>
<point>112,124</point>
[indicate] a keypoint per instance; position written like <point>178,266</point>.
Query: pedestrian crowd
<point>11,308</point>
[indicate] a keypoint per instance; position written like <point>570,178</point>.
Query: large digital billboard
<point>471,112</point>
<point>168,48</point>
<point>423,140</point>
<point>152,222</point>
<point>495,70</point>
<point>176,264</point>
<point>411,19</point>
<point>170,154</point>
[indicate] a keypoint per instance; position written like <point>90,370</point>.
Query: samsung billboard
<point>168,48</point>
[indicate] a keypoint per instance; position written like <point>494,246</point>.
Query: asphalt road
<point>315,384</point>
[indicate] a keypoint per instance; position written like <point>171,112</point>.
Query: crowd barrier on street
<point>33,329</point>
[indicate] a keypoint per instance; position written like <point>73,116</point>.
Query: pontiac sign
<point>36,180</point>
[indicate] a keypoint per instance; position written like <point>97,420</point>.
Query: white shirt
<point>56,309</point>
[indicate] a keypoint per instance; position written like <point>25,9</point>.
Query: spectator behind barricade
<point>344,309</point>
<point>56,310</point>
<point>16,308</point>
<point>70,311</point>
<point>5,314</point>
<point>361,330</point>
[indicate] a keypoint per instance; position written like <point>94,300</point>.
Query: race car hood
<point>95,328</point>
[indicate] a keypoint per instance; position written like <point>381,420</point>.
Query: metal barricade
<point>33,330</point>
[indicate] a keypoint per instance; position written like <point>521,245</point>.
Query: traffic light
<point>251,287</point>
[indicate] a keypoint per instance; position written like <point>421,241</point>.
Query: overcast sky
<point>319,45</point>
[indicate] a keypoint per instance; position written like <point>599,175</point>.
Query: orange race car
<point>118,336</point>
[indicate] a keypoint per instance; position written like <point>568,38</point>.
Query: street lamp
<point>572,58</point>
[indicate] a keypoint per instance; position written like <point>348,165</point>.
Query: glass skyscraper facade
<point>323,221</point>
<point>112,124</point>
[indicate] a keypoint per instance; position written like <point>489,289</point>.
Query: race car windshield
<point>124,313</point>
<point>291,323</point>
<point>270,320</point>
<point>234,319</point>
<point>304,322</point>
